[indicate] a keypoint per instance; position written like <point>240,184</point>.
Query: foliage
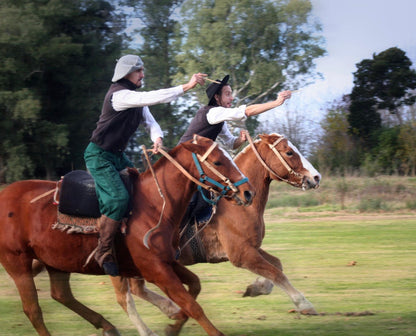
<point>406,152</point>
<point>346,194</point>
<point>158,53</point>
<point>56,57</point>
<point>335,151</point>
<point>263,45</point>
<point>359,134</point>
<point>381,83</point>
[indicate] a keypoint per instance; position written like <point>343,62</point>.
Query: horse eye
<point>217,163</point>
<point>289,153</point>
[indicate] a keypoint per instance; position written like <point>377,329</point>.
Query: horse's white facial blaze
<point>306,164</point>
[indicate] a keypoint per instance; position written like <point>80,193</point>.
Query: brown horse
<point>236,235</point>
<point>26,234</point>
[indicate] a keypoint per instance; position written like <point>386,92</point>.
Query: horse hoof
<point>111,332</point>
<point>170,330</point>
<point>310,311</point>
<point>177,316</point>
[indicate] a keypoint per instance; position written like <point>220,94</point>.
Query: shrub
<point>372,204</point>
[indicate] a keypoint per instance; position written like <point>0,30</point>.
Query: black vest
<point>114,129</point>
<point>200,125</point>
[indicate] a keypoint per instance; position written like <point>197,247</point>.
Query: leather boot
<point>104,254</point>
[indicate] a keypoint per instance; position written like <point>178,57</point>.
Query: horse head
<point>284,162</point>
<point>218,172</point>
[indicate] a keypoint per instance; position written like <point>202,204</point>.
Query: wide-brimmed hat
<point>215,88</point>
<point>125,65</point>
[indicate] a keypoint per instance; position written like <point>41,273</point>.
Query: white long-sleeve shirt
<point>219,114</point>
<point>125,99</point>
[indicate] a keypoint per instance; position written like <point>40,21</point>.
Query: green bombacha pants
<point>104,166</point>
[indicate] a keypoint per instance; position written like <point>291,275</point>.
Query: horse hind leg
<point>21,273</point>
<point>61,292</point>
<point>126,301</point>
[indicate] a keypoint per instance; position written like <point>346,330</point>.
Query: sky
<point>354,30</point>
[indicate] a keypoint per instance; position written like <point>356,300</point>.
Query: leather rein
<point>198,159</point>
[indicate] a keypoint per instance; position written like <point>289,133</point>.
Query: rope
<point>148,233</point>
<point>48,193</point>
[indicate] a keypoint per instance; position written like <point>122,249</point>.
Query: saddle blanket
<point>75,224</point>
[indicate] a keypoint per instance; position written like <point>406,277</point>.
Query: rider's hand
<point>282,96</point>
<point>196,79</point>
<point>157,144</point>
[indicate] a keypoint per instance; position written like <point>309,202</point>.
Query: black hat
<point>215,88</point>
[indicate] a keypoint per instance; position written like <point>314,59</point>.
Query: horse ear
<point>195,138</point>
<point>265,138</point>
<point>133,172</point>
<point>194,145</point>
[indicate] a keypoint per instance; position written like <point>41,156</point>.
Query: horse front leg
<point>264,264</point>
<point>194,288</point>
<point>166,306</point>
<point>170,280</point>
<point>125,300</point>
<point>61,292</point>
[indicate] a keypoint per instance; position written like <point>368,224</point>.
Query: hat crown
<point>125,65</point>
<point>215,88</point>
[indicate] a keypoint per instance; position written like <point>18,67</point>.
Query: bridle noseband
<point>203,178</point>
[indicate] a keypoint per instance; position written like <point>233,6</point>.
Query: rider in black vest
<point>124,109</point>
<point>211,121</point>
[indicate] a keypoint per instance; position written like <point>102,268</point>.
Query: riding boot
<point>105,250</point>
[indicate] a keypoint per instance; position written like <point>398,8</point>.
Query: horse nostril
<point>317,179</point>
<point>248,196</point>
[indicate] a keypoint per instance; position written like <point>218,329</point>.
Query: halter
<point>280,157</point>
<point>204,178</point>
<point>200,183</point>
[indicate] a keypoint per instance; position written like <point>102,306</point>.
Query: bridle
<point>203,178</point>
<point>280,157</point>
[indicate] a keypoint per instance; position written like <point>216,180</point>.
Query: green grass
<point>315,252</point>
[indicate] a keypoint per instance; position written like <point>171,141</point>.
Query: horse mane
<point>160,161</point>
<point>247,147</point>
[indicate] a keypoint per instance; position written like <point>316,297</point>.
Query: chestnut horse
<point>26,234</point>
<point>235,234</point>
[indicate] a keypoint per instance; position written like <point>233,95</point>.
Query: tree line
<point>373,129</point>
<point>58,56</point>
<point>57,59</point>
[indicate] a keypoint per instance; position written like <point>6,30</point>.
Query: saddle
<point>78,209</point>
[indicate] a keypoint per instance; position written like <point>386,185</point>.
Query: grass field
<point>316,243</point>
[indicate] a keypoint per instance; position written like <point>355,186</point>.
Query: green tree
<point>335,151</point>
<point>384,82</point>
<point>407,148</point>
<point>264,45</point>
<point>56,61</point>
<point>158,53</point>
